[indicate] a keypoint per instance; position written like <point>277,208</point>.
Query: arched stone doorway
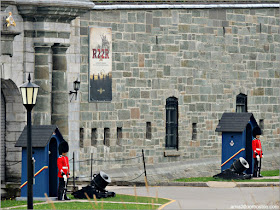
<point>14,122</point>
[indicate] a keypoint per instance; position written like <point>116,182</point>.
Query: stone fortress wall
<point>203,57</point>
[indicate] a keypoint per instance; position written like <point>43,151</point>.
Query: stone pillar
<point>42,110</point>
<point>59,89</point>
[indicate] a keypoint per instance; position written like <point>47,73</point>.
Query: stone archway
<point>15,120</point>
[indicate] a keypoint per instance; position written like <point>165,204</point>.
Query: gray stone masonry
<point>59,115</point>
<point>15,122</point>
<point>42,110</point>
<point>40,25</point>
<point>203,57</point>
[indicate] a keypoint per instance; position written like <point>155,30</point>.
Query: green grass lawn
<point>99,205</point>
<point>9,203</point>
<point>207,179</point>
<point>87,205</point>
<point>270,173</point>
<point>131,198</point>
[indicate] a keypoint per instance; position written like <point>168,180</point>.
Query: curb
<point>141,184</point>
<point>184,184</point>
<point>219,184</point>
<point>199,184</point>
<point>258,184</point>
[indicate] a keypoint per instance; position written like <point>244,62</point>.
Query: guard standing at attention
<point>257,152</point>
<point>63,171</point>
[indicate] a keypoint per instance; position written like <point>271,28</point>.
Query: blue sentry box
<point>45,142</point>
<point>237,138</point>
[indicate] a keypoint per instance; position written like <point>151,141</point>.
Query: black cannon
<point>96,187</point>
<point>239,165</point>
<point>101,180</point>
<point>236,170</point>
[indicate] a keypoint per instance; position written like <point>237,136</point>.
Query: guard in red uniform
<point>63,171</point>
<point>257,152</point>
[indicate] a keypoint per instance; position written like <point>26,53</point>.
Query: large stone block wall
<point>73,73</point>
<point>15,70</point>
<point>12,75</point>
<point>204,57</point>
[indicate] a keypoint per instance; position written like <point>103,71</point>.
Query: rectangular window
<point>107,137</point>
<point>81,137</point>
<point>241,103</point>
<point>119,135</point>
<point>171,139</point>
<point>194,131</point>
<point>148,130</point>
<point>93,137</point>
<point>261,124</point>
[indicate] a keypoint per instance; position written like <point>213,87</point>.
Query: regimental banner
<point>100,64</point>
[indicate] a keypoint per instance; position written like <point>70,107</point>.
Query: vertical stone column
<point>59,89</point>
<point>42,110</point>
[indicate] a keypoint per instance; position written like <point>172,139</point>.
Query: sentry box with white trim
<point>237,138</point>
<point>45,142</point>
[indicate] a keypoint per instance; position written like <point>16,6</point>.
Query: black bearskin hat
<point>63,147</point>
<point>256,131</point>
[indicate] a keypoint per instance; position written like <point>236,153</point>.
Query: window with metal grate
<point>171,140</point>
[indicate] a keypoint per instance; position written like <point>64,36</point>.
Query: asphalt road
<point>210,198</point>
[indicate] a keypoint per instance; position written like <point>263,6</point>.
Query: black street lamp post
<point>29,93</point>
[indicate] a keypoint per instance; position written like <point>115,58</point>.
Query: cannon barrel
<point>239,165</point>
<point>101,180</point>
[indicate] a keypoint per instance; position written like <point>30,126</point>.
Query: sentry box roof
<point>41,135</point>
<point>234,122</point>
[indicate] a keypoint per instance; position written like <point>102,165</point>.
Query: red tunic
<point>257,148</point>
<point>63,166</point>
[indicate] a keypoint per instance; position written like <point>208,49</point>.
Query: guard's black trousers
<point>62,189</point>
<point>256,168</point>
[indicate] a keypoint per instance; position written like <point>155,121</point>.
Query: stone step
<point>10,189</point>
<point>3,192</point>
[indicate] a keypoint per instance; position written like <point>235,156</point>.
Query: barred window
<point>194,131</point>
<point>241,103</point>
<point>171,140</point>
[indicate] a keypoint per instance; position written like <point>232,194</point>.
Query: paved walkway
<point>210,195</point>
<point>210,198</point>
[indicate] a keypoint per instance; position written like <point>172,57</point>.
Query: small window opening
<point>148,130</point>
<point>194,131</point>
<point>261,124</point>
<point>93,137</point>
<point>81,137</point>
<point>107,137</point>
<point>241,103</point>
<point>119,135</point>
